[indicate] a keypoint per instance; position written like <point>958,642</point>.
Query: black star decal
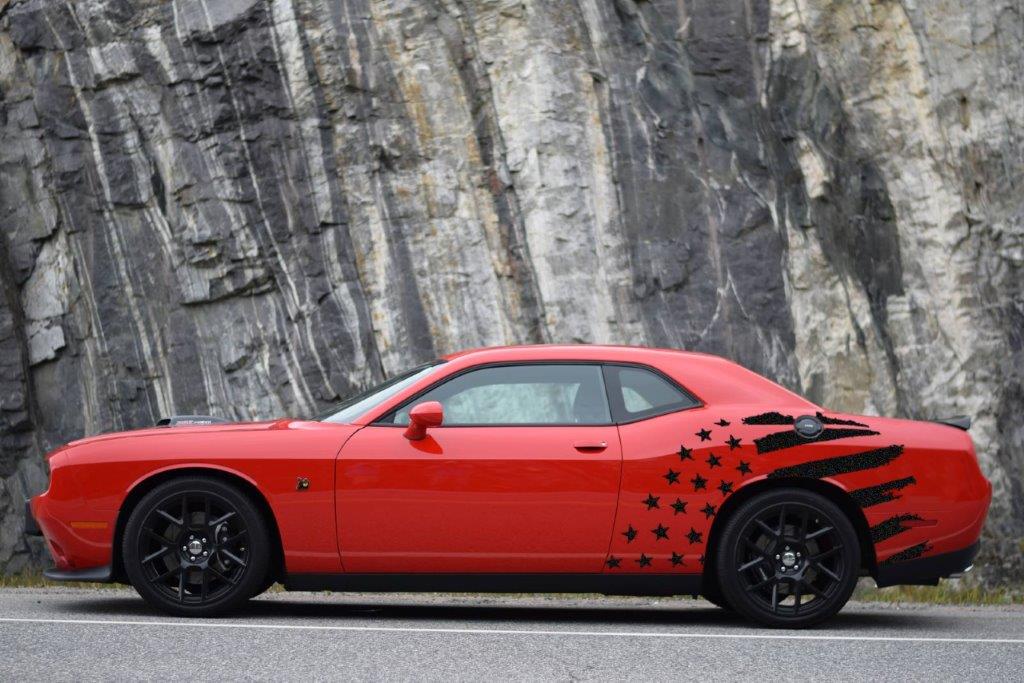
<point>685,453</point>
<point>660,532</point>
<point>725,487</point>
<point>644,561</point>
<point>614,562</point>
<point>630,534</point>
<point>744,467</point>
<point>672,476</point>
<point>704,435</point>
<point>694,536</point>
<point>699,482</point>
<point>678,506</point>
<point>722,423</point>
<point>714,461</point>
<point>677,559</point>
<point>651,501</point>
<point>733,442</point>
<point>708,510</point>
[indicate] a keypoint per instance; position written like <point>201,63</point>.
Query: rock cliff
<point>252,207</point>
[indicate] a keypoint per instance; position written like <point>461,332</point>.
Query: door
<point>522,476</point>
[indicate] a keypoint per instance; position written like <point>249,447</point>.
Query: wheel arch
<point>834,493</point>
<point>146,484</point>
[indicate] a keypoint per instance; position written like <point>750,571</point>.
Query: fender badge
<point>301,484</point>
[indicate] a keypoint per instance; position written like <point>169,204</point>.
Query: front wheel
<point>788,558</point>
<point>196,546</point>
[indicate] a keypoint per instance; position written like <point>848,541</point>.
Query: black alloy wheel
<point>788,558</point>
<point>196,547</point>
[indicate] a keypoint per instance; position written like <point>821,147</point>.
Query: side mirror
<point>422,417</point>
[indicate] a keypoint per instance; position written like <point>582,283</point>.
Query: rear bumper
<point>927,570</point>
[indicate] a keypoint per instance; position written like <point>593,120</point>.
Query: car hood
<point>170,432</point>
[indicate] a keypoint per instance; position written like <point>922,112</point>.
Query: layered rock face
<point>251,208</point>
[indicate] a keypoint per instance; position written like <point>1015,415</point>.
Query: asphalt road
<point>75,634</point>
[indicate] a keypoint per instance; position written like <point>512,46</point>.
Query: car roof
<point>607,352</point>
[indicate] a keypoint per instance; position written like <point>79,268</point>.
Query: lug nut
<point>192,558</point>
<point>204,540</point>
<point>205,553</point>
<point>776,557</point>
<point>184,547</point>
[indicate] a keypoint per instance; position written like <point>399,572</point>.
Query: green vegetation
<point>36,580</point>
<point>946,593</point>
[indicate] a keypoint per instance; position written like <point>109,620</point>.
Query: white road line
<point>512,632</point>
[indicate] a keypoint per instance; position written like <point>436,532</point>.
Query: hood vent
<point>959,421</point>
<point>190,421</point>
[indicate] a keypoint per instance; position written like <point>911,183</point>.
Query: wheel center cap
<point>195,547</point>
<point>789,558</point>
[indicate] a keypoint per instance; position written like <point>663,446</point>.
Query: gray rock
<point>254,208</point>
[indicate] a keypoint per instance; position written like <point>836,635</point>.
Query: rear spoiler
<point>959,421</point>
<point>190,421</point>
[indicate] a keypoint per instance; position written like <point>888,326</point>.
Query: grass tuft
<point>952,592</point>
<point>37,580</point>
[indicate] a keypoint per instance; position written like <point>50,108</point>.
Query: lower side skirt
<point>608,584</point>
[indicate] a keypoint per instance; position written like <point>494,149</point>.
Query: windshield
<point>353,407</point>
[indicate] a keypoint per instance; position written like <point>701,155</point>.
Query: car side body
<point>618,505</point>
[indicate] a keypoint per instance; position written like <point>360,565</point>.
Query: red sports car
<point>539,468</point>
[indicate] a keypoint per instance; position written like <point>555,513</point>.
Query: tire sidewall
<point>255,572</point>
<point>726,561</point>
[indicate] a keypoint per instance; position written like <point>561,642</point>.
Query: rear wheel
<point>788,558</point>
<point>196,546</point>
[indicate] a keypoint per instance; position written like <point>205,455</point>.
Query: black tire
<point>713,594</point>
<point>788,558</point>
<point>196,547</point>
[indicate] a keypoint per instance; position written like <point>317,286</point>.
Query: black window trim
<point>600,364</point>
<point>618,406</point>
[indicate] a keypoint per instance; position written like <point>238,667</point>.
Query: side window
<point>637,393</point>
<point>542,394</point>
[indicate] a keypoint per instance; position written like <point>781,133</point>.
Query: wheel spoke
<point>206,583</point>
<point>184,510</point>
<point>796,597</point>
<point>804,520</point>
<point>230,540</point>
<point>814,534</point>
<point>827,571</point>
<point>775,597</point>
<point>782,521</point>
<point>155,554</point>
<point>753,563</point>
<point>222,576</point>
<point>828,553</point>
<point>760,584</point>
<point>767,529</point>
<point>170,572</point>
<point>223,518</point>
<point>162,540</point>
<point>237,560</point>
<point>181,586</point>
<point>814,589</point>
<point>171,518</point>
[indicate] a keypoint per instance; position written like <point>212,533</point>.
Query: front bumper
<point>90,575</point>
<point>927,571</point>
<point>31,526</point>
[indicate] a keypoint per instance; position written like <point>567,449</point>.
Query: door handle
<point>590,445</point>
